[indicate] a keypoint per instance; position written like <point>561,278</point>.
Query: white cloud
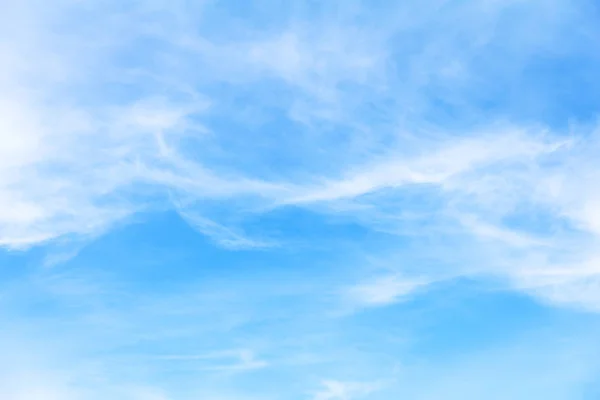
<point>227,237</point>
<point>438,164</point>
<point>108,109</point>
<point>339,390</point>
<point>32,370</point>
<point>101,126</point>
<point>384,290</point>
<point>243,360</point>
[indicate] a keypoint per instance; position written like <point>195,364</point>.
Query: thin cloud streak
<point>82,163</point>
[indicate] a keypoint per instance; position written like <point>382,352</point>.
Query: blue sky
<point>261,200</point>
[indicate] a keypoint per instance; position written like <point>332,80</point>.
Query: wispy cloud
<point>457,137</point>
<point>244,360</point>
<point>338,390</point>
<point>384,290</point>
<point>105,126</point>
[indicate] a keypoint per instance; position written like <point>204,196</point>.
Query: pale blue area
<point>172,292</point>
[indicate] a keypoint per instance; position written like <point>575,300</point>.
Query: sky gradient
<point>299,200</point>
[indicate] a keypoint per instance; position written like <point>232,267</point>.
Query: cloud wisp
<point>114,118</point>
<point>461,137</point>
